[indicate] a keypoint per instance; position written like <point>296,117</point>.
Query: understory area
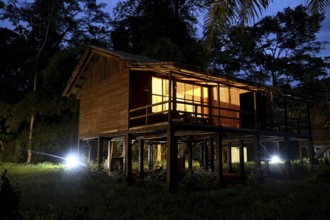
<point>48,191</point>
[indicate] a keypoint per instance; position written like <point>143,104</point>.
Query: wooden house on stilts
<point>139,114</point>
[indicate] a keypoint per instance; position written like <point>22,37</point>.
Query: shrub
<point>199,178</point>
<point>322,173</point>
<point>9,199</point>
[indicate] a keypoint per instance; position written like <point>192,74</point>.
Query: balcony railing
<point>213,115</point>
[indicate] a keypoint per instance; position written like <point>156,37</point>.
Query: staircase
<point>320,151</point>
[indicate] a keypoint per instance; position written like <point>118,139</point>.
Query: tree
<point>223,13</point>
<point>277,50</point>
<point>161,29</point>
<point>48,27</point>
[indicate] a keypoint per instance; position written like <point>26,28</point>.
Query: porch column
<point>128,157</point>
<point>311,152</point>
<point>172,160</point>
<point>141,158</point>
<point>241,159</point>
<point>205,155</point>
<point>219,166</point>
<point>256,149</point>
<point>79,145</point>
<point>212,154</point>
<point>190,155</point>
<point>287,156</point>
<point>150,157</point>
<point>99,151</point>
<point>310,140</point>
<point>301,158</point>
<point>230,162</point>
<point>201,155</point>
<point>109,155</point>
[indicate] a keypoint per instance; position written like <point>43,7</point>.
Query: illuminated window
<point>190,98</point>
<point>159,94</point>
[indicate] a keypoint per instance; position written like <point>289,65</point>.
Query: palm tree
<point>222,13</point>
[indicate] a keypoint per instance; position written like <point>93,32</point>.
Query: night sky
<point>276,6</point>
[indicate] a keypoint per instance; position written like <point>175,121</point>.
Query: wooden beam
<point>287,156</point>
<point>230,163</point>
<point>141,158</point>
<point>212,154</point>
<point>310,141</point>
<point>241,159</point>
<point>109,155</point>
<point>311,152</point>
<point>190,155</point>
<point>128,157</point>
<point>205,154</point>
<point>219,165</point>
<point>172,160</point>
<point>150,157</point>
<point>99,151</point>
<point>257,161</point>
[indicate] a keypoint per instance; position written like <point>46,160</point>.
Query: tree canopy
<point>278,50</point>
<point>224,13</point>
<point>41,49</point>
<point>40,52</point>
<point>162,29</point>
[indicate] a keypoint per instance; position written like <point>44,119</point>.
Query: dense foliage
<point>39,52</point>
<point>278,50</point>
<point>46,38</point>
<point>162,29</point>
<point>53,192</point>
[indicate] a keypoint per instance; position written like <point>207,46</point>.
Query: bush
<point>9,199</point>
<point>322,173</point>
<point>199,178</point>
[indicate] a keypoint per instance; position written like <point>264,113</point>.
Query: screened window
<point>159,94</point>
<point>189,98</point>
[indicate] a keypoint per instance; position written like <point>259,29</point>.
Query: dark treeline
<point>46,38</point>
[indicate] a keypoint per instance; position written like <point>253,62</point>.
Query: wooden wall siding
<point>320,136</point>
<point>229,99</point>
<point>104,98</point>
<point>140,89</point>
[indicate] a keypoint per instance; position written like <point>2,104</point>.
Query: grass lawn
<point>50,191</point>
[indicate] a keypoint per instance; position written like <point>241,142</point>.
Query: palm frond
<point>249,10</point>
<point>316,7</point>
<point>216,20</point>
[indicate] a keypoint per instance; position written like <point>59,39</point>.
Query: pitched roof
<point>139,62</point>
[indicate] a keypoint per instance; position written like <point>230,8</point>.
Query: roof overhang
<point>162,69</point>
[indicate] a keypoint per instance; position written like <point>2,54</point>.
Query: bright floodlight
<point>72,161</point>
<point>275,159</point>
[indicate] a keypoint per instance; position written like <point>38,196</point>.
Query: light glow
<point>72,161</point>
<point>275,159</point>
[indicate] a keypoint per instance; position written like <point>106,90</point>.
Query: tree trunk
<point>2,146</point>
<point>30,139</point>
<point>32,119</point>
